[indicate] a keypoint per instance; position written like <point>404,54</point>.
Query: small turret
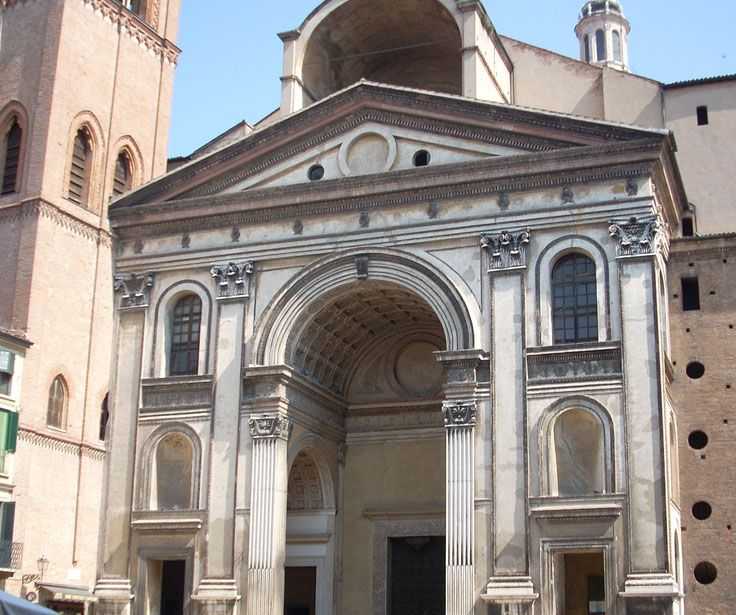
<point>603,32</point>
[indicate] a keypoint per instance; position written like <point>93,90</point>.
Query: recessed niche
<point>695,370</point>
<point>706,573</point>
<point>316,172</point>
<point>421,158</point>
<point>702,511</point>
<point>698,440</point>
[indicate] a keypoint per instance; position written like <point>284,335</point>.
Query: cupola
<point>603,32</point>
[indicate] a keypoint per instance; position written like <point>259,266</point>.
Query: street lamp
<point>43,565</point>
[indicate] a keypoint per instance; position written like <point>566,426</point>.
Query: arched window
<point>123,178</point>
<point>185,332</point>
<point>586,43</point>
<point>58,402</point>
<point>616,46</point>
<point>305,488</point>
<point>172,481</point>
<point>11,158</point>
<point>574,300</point>
<point>600,46</point>
<point>577,455</point>
<point>80,173</point>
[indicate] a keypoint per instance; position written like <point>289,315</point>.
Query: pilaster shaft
<point>267,544</point>
<point>460,420</point>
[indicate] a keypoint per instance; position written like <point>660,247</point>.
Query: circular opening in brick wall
<point>702,511</point>
<point>695,370</point>
<point>316,172</point>
<point>706,573</point>
<point>698,440</point>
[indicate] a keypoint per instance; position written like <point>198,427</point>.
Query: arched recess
<point>15,112</point>
<point>86,120</point>
<point>148,465</point>
<point>414,43</point>
<point>314,449</point>
<point>458,312</point>
<point>592,414</point>
<point>163,321</point>
<point>545,264</point>
<point>128,146</point>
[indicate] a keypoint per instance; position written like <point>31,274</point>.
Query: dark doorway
<point>416,576</point>
<point>300,591</point>
<point>173,580</point>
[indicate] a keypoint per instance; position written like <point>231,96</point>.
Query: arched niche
<point>412,43</point>
<point>576,445</point>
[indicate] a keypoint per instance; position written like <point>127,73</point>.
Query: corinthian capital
<point>459,414</point>
<point>507,249</point>
<point>233,280</point>
<point>134,290</point>
<point>269,426</point>
<point>636,236</point>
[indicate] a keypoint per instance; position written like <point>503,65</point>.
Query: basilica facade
<point>405,346</point>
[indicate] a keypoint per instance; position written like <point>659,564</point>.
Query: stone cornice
<point>40,208</point>
<point>427,111</point>
<point>464,180</point>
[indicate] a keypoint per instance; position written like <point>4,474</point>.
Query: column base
<point>216,597</point>
<point>510,595</point>
<point>114,596</point>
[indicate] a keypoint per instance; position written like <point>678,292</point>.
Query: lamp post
<point>43,565</point>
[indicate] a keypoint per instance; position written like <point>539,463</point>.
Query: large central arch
<point>413,43</point>
<point>439,288</point>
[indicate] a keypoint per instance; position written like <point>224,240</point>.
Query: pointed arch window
<point>616,36</point>
<point>123,178</point>
<point>185,334</point>
<point>11,158</point>
<point>56,413</point>
<point>80,173</point>
<point>574,300</point>
<point>600,46</point>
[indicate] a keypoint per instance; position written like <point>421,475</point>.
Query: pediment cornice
<point>494,123</point>
<point>537,171</point>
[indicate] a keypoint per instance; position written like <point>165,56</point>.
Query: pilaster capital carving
<point>134,290</point>
<point>459,414</point>
<point>507,249</point>
<point>637,236</point>
<point>233,280</point>
<point>270,427</point>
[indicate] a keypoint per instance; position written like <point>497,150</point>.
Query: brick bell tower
<point>85,105</point>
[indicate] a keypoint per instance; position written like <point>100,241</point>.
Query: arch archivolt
<point>88,121</point>
<point>317,452</point>
<point>303,296</point>
<point>546,262</point>
<point>147,464</point>
<point>163,315</point>
<point>128,145</point>
<point>547,423</point>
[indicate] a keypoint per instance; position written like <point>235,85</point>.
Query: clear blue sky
<point>231,62</point>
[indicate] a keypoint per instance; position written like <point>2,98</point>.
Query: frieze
<point>180,393</point>
<point>507,249</point>
<point>459,414</point>
<point>563,365</point>
<point>635,236</point>
<point>134,290</point>
<point>233,280</point>
<point>269,427</point>
<point>60,445</point>
<point>273,213</point>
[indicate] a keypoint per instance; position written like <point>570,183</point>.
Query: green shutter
<point>11,433</point>
<point>4,424</point>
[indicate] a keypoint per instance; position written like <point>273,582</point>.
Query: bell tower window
<point>81,168</point>
<point>123,180</point>
<point>11,158</point>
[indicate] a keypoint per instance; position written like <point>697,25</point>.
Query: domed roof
<point>601,6</point>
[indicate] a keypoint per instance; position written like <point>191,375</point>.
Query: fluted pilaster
<point>267,544</point>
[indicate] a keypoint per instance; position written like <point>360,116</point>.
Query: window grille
<point>575,300</point>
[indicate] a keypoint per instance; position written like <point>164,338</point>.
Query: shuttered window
<point>123,180</point>
<point>81,168</point>
<point>7,523</point>
<point>58,398</point>
<point>8,431</point>
<point>11,159</point>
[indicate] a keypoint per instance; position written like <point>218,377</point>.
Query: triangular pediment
<point>372,129</point>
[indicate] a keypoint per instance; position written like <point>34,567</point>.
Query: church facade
<point>405,346</point>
